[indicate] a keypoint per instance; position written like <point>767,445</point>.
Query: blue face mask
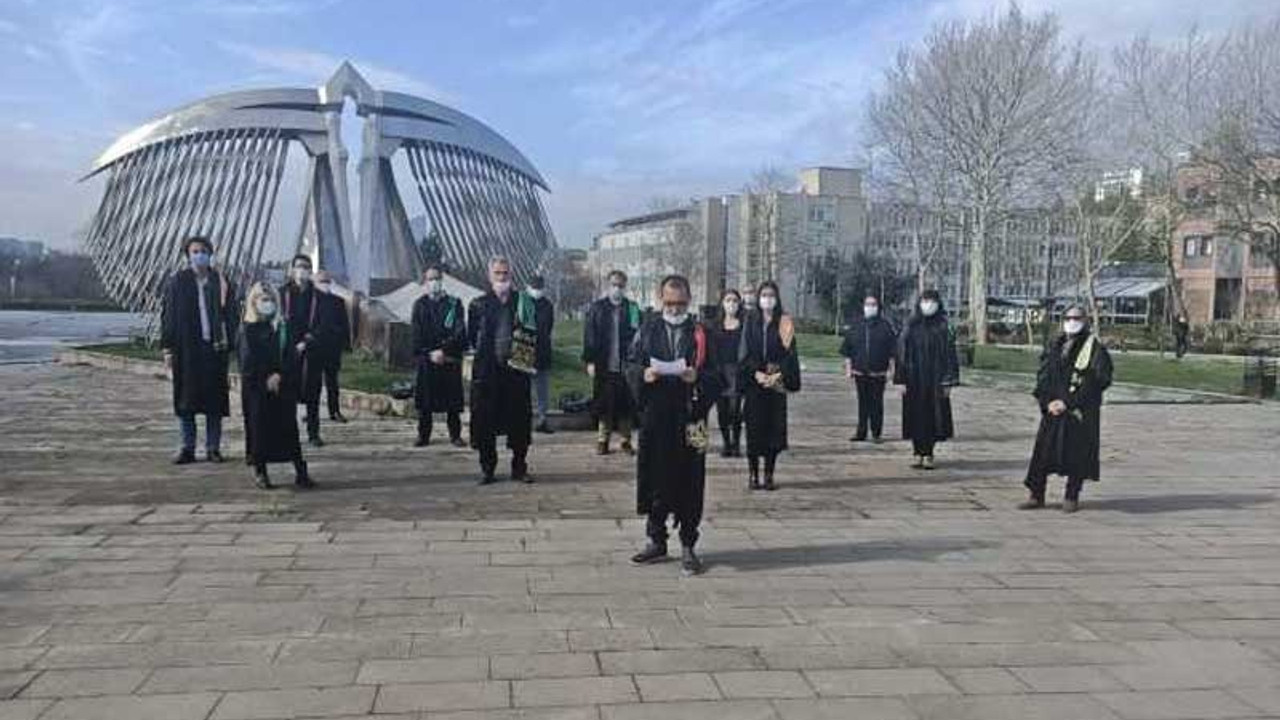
<point>200,259</point>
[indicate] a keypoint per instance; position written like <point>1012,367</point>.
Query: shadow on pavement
<point>817,555</point>
<point>1178,503</point>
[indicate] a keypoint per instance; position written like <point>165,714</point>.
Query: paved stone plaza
<point>132,589</point>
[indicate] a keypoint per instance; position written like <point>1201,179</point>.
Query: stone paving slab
<point>133,589</point>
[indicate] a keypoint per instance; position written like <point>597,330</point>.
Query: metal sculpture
<point>215,167</point>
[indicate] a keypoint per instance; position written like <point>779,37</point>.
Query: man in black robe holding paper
<point>1075,370</point>
<point>675,391</point>
<point>439,341</point>
<point>198,323</point>
<point>501,329</point>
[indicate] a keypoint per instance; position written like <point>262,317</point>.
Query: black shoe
<point>858,438</point>
<point>544,428</point>
<point>1032,503</point>
<point>315,441</point>
<point>262,480</point>
<point>768,482</point>
<point>1070,506</point>
<point>487,479</point>
<point>338,417</point>
<point>689,563</point>
<point>304,482</point>
<point>753,481</point>
<point>184,457</point>
<point>627,448</point>
<point>602,448</point>
<point>422,441</point>
<point>876,440</point>
<point>652,553</point>
<point>213,456</point>
<point>458,442</point>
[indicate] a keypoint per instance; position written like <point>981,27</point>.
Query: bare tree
<point>1000,101</point>
<point>1166,100</point>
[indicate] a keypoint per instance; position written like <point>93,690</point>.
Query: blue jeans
<point>212,432</point>
<point>542,389</point>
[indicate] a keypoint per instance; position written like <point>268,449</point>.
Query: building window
<point>1206,246</point>
<point>1190,246</point>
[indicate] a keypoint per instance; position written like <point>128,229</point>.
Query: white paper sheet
<point>663,367</point>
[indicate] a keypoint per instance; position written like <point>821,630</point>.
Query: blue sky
<point>615,102</point>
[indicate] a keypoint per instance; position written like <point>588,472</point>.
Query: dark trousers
<point>329,376</point>
<point>1180,345</point>
<point>870,404</point>
<point>453,421</point>
<point>923,447</point>
<point>313,419</point>
<point>487,446</point>
<point>729,417</point>
<point>1037,487</point>
<point>770,462</point>
<point>656,525</point>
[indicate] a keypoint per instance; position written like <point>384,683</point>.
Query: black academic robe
<point>439,324</point>
<point>200,383</point>
<point>765,411</point>
<point>499,395</point>
<point>1068,444</point>
<point>611,400</point>
<point>335,334</point>
<point>270,419</point>
<point>668,470</point>
<point>926,363</point>
<point>546,320</point>
<point>301,308</point>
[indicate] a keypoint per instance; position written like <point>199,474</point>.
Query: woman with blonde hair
<point>269,386</point>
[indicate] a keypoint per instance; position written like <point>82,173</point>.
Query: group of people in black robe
<point>287,345</point>
<point>662,371</point>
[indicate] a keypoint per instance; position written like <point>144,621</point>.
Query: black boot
<point>652,553</point>
<point>753,473</point>
<point>770,462</point>
<point>261,479</point>
<point>184,457</point>
<point>737,440</point>
<point>302,478</point>
<point>726,439</point>
<point>424,431</point>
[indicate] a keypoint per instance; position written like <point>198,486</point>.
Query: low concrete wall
<point>359,403</point>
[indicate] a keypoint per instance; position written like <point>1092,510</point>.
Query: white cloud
<point>313,68</point>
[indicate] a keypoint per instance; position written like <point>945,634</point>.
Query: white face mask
<point>266,308</point>
<point>731,307</point>
<point>768,302</point>
<point>870,311</point>
<point>502,287</point>
<point>1072,327</point>
<point>301,275</point>
<point>435,287</point>
<point>536,293</point>
<point>928,308</point>
<point>616,293</point>
<point>675,316</point>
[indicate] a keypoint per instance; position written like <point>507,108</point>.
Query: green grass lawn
<point>1221,377</point>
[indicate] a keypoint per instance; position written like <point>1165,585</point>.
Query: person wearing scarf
<point>610,327</point>
<point>269,385</point>
<point>1075,370</point>
<point>671,368</point>
<point>197,326</point>
<point>439,342</point>
<point>769,364</point>
<point>925,370</point>
<point>497,322</point>
<point>301,307</point>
